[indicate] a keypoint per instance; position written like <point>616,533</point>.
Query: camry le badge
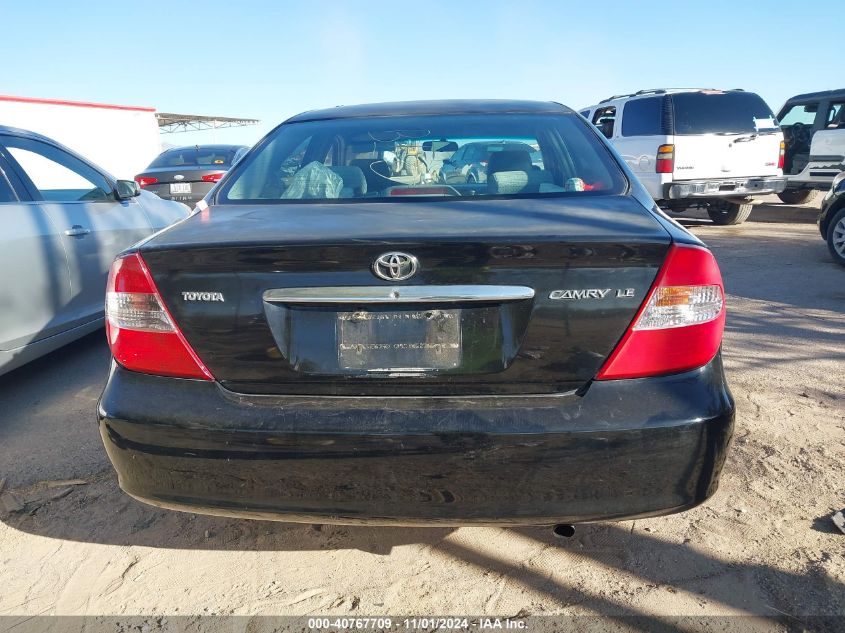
<point>591,293</point>
<point>395,266</point>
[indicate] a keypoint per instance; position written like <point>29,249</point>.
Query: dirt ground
<point>763,545</point>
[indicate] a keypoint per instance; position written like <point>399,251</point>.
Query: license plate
<point>393,340</point>
<point>180,187</point>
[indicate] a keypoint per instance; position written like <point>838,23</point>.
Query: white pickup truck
<point>813,126</point>
<point>697,147</point>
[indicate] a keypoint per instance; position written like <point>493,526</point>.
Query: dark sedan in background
<point>186,174</point>
<point>322,343</point>
<point>832,219</point>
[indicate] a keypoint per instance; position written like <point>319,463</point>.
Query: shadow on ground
<point>768,213</point>
<point>99,513</point>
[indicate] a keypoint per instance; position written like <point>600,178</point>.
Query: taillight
<point>141,332</point>
<point>143,181</point>
<point>213,177</point>
<point>679,327</point>
<point>781,155</point>
<point>665,159</point>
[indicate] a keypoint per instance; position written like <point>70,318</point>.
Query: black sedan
<point>832,219</point>
<point>187,174</point>
<point>324,342</point>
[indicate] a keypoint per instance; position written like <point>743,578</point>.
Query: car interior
<point>798,125</point>
<point>367,166</point>
<point>604,119</point>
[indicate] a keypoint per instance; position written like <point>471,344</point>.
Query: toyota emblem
<point>395,266</point>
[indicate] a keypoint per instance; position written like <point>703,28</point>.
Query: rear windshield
<point>725,112</point>
<point>196,157</point>
<point>447,156</point>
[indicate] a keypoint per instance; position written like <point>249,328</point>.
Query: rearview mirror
<point>125,189</point>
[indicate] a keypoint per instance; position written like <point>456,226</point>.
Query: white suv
<point>697,147</point>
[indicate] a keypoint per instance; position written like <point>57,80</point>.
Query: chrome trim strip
<point>398,294</point>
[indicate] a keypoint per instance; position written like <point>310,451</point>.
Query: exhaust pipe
<point>563,530</point>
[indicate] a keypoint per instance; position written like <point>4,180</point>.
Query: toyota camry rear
<point>330,339</point>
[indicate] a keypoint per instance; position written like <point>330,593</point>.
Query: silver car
<point>64,220</point>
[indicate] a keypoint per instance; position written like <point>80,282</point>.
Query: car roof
<point>642,94</point>
<point>825,94</point>
<point>201,146</point>
<point>420,108</point>
<point>15,131</point>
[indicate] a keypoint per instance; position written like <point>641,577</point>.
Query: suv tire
<point>797,196</point>
<point>836,237</point>
<point>728,213</point>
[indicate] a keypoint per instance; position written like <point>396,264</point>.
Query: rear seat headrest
<point>505,182</point>
<point>509,160</point>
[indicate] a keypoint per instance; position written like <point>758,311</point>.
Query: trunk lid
<point>512,296</point>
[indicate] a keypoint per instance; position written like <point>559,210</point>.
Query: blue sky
<point>269,60</point>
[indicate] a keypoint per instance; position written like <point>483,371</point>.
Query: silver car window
<point>57,175</point>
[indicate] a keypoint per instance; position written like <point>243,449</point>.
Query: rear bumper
<point>724,187</point>
<point>624,449</point>
<point>198,192</point>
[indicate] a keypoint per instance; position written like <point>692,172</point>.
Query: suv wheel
<point>797,196</point>
<point>836,237</point>
<point>726,213</point>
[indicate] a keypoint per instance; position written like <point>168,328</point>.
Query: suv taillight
<point>679,327</point>
<point>781,155</point>
<point>141,332</point>
<point>665,159</point>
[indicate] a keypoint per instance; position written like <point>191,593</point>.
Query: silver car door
<point>79,200</point>
<point>36,286</point>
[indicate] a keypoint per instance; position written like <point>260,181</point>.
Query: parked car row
<point>414,254</point>
<point>693,147</point>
